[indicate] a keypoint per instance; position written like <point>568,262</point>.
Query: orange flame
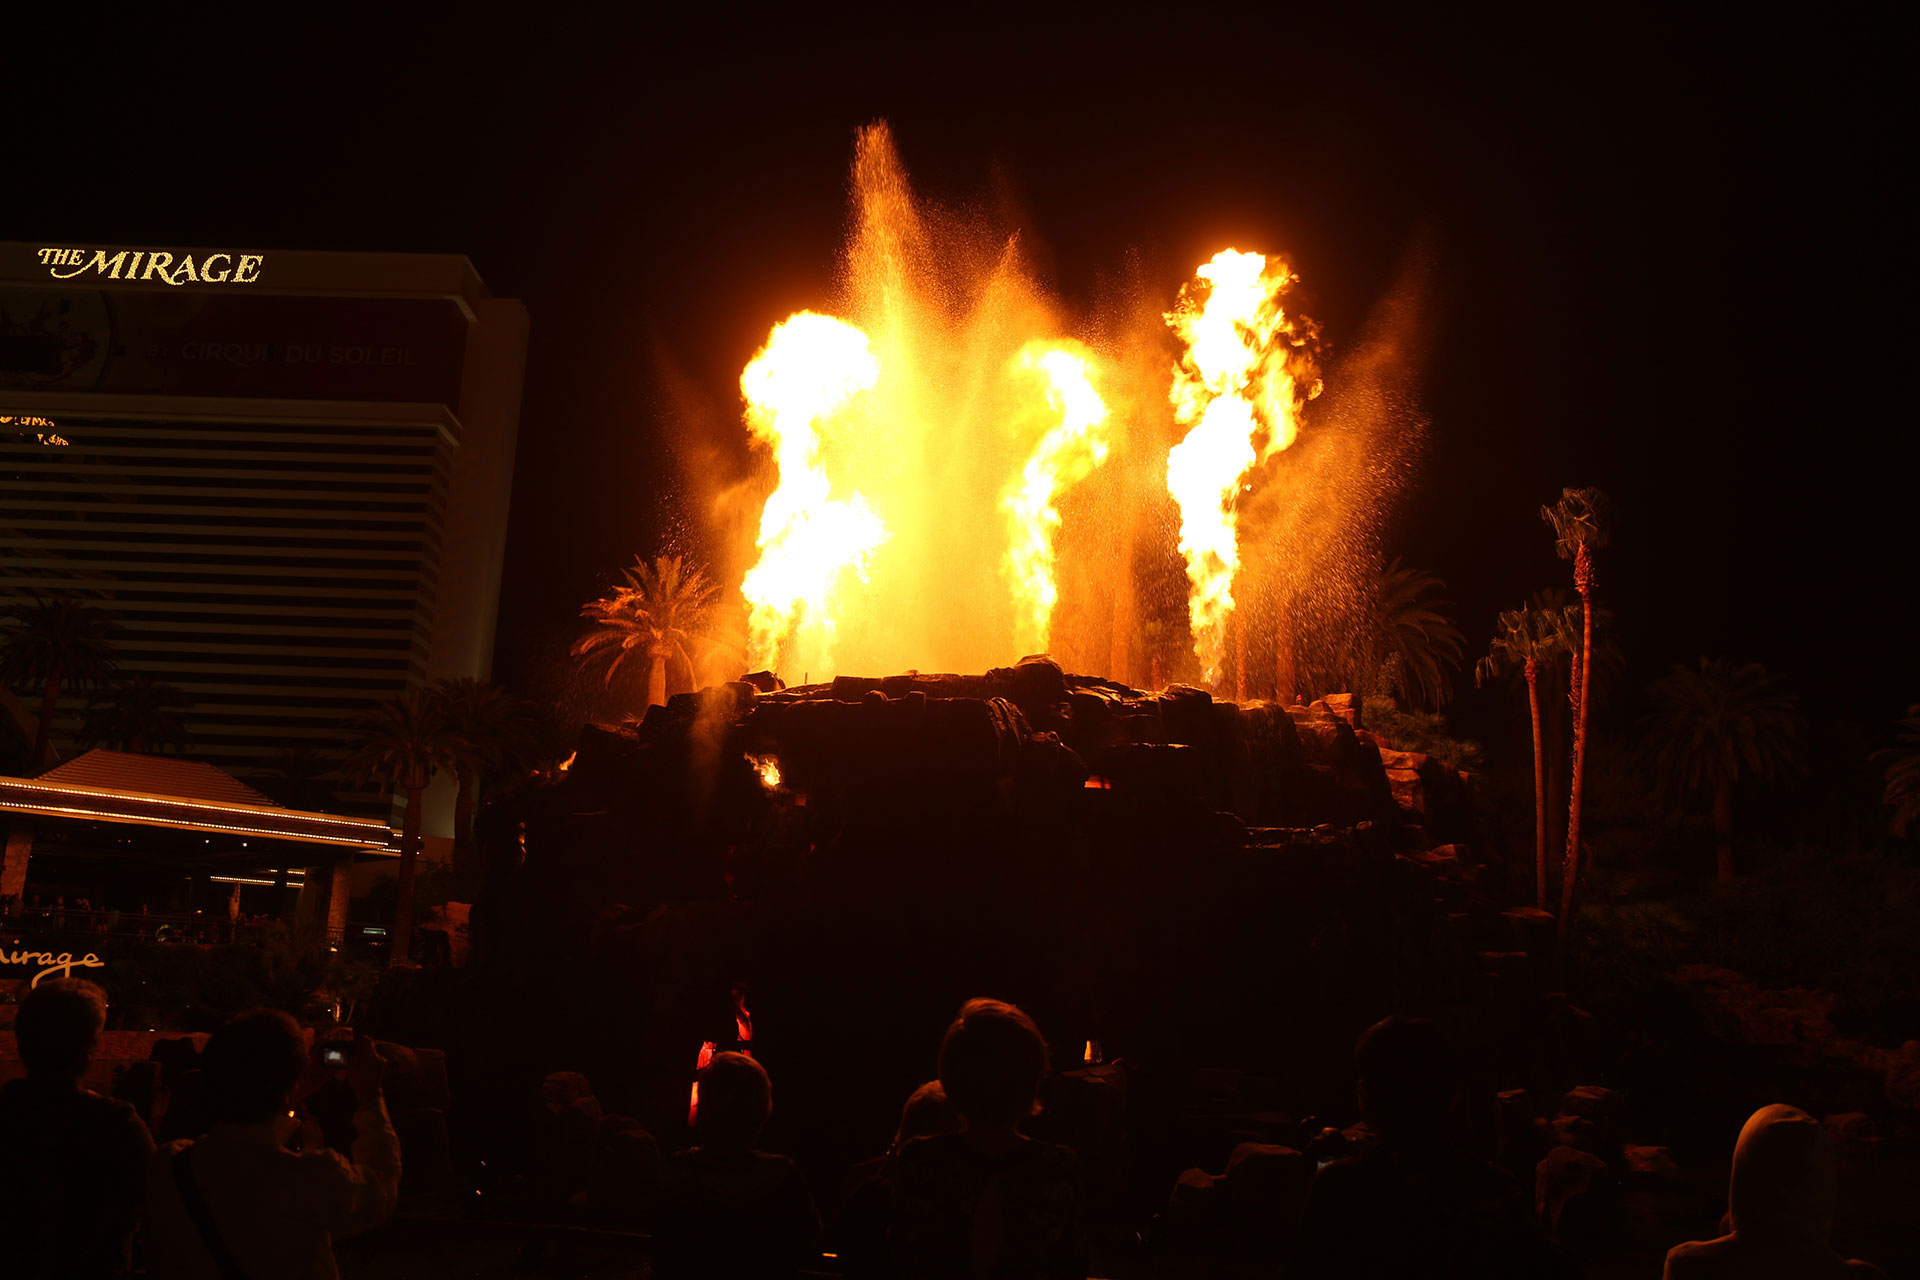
<point>1238,388</point>
<point>811,366</point>
<point>1065,455</point>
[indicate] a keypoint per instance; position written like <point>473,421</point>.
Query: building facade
<point>286,475</point>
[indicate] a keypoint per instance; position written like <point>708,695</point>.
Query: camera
<point>333,1050</point>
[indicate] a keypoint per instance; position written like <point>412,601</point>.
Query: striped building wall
<point>286,537</point>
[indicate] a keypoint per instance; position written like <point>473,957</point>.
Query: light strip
<point>138,797</point>
<point>183,825</point>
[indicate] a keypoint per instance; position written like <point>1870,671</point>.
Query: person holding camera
<point>237,1204</point>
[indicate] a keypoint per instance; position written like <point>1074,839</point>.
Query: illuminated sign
<point>63,964</point>
<point>153,264</point>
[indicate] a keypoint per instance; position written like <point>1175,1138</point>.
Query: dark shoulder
<point>942,1151</point>
<point>1696,1257</point>
<point>1052,1158</point>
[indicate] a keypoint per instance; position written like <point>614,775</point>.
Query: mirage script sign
<point>63,964</point>
<point>213,268</point>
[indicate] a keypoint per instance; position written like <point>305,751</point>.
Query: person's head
<point>927,1114</point>
<point>1409,1077</point>
<point>736,1097</point>
<point>1784,1176</point>
<point>57,1026</point>
<point>991,1062</point>
<point>252,1064</point>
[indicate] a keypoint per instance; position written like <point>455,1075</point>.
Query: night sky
<point>1671,259</point>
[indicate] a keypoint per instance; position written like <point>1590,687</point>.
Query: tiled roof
<point>188,795</point>
<point>154,776</point>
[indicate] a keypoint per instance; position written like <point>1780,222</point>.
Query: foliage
<point>1902,794</point>
<point>403,742</point>
<point>1413,640</point>
<point>663,610</point>
<point>1716,724</point>
<point>496,733</point>
<point>1423,731</point>
<point>298,776</point>
<point>137,713</point>
<point>1806,918</point>
<point>59,635</point>
<point>1579,520</point>
<point>1520,636</point>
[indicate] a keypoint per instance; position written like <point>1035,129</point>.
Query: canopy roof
<point>185,795</point>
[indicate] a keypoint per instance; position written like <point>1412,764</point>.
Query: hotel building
<point>285,474</point>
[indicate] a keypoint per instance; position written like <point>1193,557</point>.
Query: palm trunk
<point>403,897</point>
<point>1539,791</point>
<point>43,733</point>
<point>657,681</point>
<point>1583,583</point>
<point>1723,831</point>
<point>463,802</point>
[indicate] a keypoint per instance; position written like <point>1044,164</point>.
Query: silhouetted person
<point>1414,1204</point>
<point>988,1200</point>
<point>72,1163</point>
<point>1781,1199</point>
<point>237,1202</point>
<point>861,1231</point>
<point>727,1209</point>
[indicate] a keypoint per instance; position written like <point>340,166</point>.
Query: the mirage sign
<point>153,264</point>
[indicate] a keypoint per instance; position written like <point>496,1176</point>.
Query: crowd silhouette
<point>275,1149</point>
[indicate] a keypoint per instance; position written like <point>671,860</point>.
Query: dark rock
<point>1576,1196</point>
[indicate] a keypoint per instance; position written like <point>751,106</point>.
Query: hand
<point>365,1070</point>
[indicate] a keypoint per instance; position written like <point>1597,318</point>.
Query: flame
<point>1238,388</point>
<point>1065,455</point>
<point>768,767</point>
<point>811,366</point>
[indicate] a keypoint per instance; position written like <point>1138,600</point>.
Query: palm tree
<point>298,778</point>
<point>1412,635</point>
<point>57,642</point>
<point>1579,523</point>
<point>137,713</point>
<point>401,745</point>
<point>496,734</point>
<point>664,609</point>
<point>1903,775</point>
<point>1533,641</point>
<point>1713,725</point>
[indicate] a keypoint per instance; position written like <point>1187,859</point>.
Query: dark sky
<point>1672,255</point>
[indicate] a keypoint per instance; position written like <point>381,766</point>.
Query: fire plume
<point>1067,454</point>
<point>1238,389</point>
<point>811,366</point>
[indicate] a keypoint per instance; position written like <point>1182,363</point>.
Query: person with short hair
<point>988,1200</point>
<point>71,1161</point>
<point>237,1202</point>
<point>1415,1203</point>
<point>1781,1199</point>
<point>726,1208</point>
<point>860,1228</point>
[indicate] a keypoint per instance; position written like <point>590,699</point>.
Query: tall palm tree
<point>1903,775</point>
<point>1579,523</point>
<point>1713,725</point>
<point>401,745</point>
<point>298,778</point>
<point>497,734</point>
<point>137,713</point>
<point>1532,641</point>
<point>663,610</point>
<point>1413,636</point>
<point>57,642</point>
